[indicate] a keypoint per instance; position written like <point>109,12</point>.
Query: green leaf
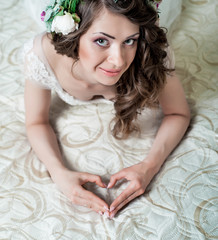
<point>73,5</point>
<point>48,14</point>
<point>61,13</point>
<point>66,4</point>
<point>76,18</point>
<point>48,26</point>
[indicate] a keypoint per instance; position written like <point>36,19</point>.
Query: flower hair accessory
<point>60,16</point>
<point>155,3</point>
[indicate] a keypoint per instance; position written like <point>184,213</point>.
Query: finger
<point>100,204</point>
<point>81,192</point>
<point>116,177</point>
<point>123,203</point>
<point>90,200</point>
<point>94,179</point>
<point>123,196</point>
<point>92,197</point>
<point>88,204</point>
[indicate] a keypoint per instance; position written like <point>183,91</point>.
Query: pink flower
<point>43,16</point>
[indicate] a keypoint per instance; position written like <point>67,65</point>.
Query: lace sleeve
<point>34,69</point>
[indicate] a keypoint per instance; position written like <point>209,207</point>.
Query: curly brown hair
<point>140,85</point>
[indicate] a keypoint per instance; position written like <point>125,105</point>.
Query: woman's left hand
<point>139,176</point>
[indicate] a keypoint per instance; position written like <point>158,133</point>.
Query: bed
<point>180,203</point>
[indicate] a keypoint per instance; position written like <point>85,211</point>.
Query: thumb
<point>116,177</point>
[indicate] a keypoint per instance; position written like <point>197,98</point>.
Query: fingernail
<point>111,209</point>
<point>112,215</point>
<point>106,208</point>
<point>101,213</point>
<point>105,184</point>
<point>106,214</point>
<point>109,185</point>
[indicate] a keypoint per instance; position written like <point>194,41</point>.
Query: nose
<point>116,56</point>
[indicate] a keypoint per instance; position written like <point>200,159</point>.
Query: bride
<point>116,52</point>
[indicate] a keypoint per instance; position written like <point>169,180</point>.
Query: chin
<point>109,82</point>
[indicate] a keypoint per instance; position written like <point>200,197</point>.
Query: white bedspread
<point>181,203</point>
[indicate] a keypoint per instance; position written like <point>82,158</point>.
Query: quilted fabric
<point>181,201</point>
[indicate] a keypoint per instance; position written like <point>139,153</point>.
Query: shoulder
<point>32,46</point>
<point>40,45</point>
<point>47,46</point>
<point>32,51</point>
<point>35,65</point>
<point>51,57</point>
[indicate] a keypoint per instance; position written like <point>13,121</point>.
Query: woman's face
<point>107,49</point>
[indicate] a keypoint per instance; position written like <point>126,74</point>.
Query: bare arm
<point>39,131</point>
<point>45,145</point>
<point>174,124</point>
<point>173,127</point>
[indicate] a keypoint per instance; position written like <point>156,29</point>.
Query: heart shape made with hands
<point>107,194</point>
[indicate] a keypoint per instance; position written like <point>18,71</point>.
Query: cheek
<point>84,54</point>
<point>88,53</point>
<point>90,57</point>
<point>131,56</point>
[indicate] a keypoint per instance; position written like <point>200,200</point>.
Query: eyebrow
<point>107,35</point>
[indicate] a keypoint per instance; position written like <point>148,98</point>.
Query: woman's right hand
<point>71,184</point>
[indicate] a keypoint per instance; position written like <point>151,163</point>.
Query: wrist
<point>152,164</point>
<point>156,157</point>
<point>56,169</point>
<point>58,174</point>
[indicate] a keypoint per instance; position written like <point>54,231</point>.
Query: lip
<point>110,72</point>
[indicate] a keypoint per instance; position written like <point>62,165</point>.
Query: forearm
<point>44,142</point>
<point>170,133</point>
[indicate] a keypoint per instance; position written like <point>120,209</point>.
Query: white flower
<point>64,24</point>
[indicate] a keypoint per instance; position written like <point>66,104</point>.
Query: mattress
<point>180,203</point>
